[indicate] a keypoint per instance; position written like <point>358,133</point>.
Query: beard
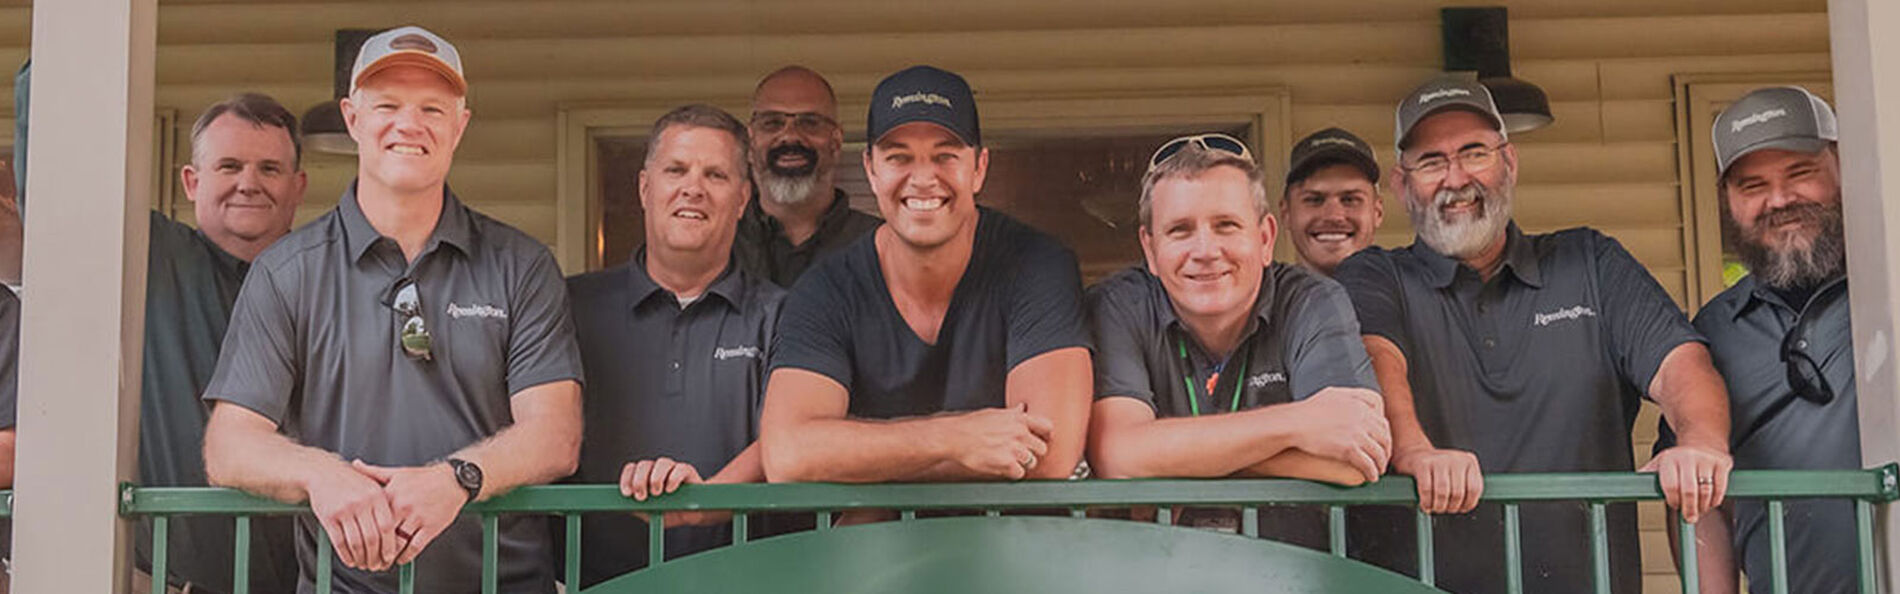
<point>1461,236</point>
<point>789,185</point>
<point>1799,261</point>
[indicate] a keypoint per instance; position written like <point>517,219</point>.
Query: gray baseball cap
<point>413,46</point>
<point>1442,93</point>
<point>1788,118</point>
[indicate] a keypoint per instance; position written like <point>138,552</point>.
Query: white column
<point>1867,89</point>
<point>89,176</point>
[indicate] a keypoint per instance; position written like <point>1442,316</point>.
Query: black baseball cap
<point>1329,147</point>
<point>924,94</point>
<point>1788,118</point>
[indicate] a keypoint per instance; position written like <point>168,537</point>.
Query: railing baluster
<point>491,556</point>
<point>161,537</point>
<point>824,520</point>
<point>1250,522</point>
<point>1336,529</point>
<point>656,539</point>
<point>1778,546</point>
<point>1691,569</point>
<point>241,557</point>
<point>406,578</point>
<point>741,528</point>
<point>323,559</point>
<point>1599,548</point>
<point>1164,515</point>
<point>1427,554</point>
<point>1513,550</point>
<point>1864,520</point>
<point>573,571</point>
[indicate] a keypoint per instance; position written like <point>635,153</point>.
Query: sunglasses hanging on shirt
<point>414,334</point>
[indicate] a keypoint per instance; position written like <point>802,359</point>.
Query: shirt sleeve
<point>815,326</point>
<point>9,358</point>
<point>541,343</point>
<point>1324,348</point>
<point>1120,368</point>
<point>1045,302</point>
<point>1372,284</point>
<point>1643,324</point>
<point>257,364</point>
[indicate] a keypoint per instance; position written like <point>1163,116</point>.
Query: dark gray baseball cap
<point>1328,147</point>
<point>1788,118</point>
<point>1442,93</point>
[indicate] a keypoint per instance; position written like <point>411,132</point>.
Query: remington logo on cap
<point>1441,94</point>
<point>1736,126</point>
<point>413,42</point>
<point>898,102</point>
<point>1339,141</point>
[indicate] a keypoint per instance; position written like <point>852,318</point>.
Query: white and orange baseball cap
<point>409,46</point>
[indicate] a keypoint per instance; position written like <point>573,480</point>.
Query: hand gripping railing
<point>1865,487</point>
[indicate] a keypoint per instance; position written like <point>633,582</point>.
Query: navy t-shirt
<point>1021,296</point>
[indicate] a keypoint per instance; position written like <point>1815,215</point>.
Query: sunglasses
<point>415,335</point>
<point>1805,381</point>
<point>1213,141</point>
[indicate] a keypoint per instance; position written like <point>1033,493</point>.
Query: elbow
<point>781,463</point>
<point>1108,463</point>
<point>217,467</point>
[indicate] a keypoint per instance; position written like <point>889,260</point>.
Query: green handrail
<point>1867,487</point>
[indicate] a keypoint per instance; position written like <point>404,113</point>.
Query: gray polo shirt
<point>1301,339</point>
<point>665,380</point>
<point>313,345</point>
<point>191,285</point>
<point>1774,429</point>
<point>762,249</point>
<point>1540,369</point>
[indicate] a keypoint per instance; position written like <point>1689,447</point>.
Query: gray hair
<point>701,115</point>
<point>256,109</point>
<point>1193,160</point>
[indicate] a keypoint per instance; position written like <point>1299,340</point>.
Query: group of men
<point>404,355</point>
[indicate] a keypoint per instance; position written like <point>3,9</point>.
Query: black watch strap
<point>468,475</point>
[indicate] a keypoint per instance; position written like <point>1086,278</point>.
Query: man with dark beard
<point>1781,336</point>
<point>799,214</point>
<point>1499,351</point>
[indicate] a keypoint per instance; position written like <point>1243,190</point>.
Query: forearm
<point>1192,447</point>
<point>6,457</point>
<point>1058,385</point>
<point>531,452</point>
<point>1301,465</point>
<point>1390,367</point>
<point>1692,397</point>
<point>264,462</point>
<point>860,451</point>
<point>744,468</point>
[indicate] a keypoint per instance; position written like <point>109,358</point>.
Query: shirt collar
<point>835,216</point>
<point>1759,294</point>
<point>1520,258</point>
<point>728,286</point>
<point>455,227</point>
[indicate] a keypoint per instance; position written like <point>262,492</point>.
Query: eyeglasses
<point>1477,159</point>
<point>1213,141</point>
<point>773,122</point>
<point>415,335</point>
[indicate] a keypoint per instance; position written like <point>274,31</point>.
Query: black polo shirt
<point>190,286</point>
<point>1302,338</point>
<point>763,250</point>
<point>313,345</point>
<point>665,380</point>
<point>1540,369</point>
<point>1774,429</point>
<point>1019,297</point>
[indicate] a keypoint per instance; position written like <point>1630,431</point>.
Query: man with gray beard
<point>1781,336</point>
<point>799,215</point>
<point>1499,351</point>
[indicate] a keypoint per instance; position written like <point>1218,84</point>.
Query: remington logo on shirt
<point>477,311</point>
<point>1261,381</point>
<point>1570,313</point>
<point>724,353</point>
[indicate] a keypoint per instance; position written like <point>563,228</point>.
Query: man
<point>1505,352</point>
<point>1211,315</point>
<point>800,215</point>
<point>674,343</point>
<point>1331,203</point>
<point>948,345</point>
<point>1781,336</point>
<point>402,355</point>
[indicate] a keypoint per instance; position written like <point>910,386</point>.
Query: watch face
<point>469,475</point>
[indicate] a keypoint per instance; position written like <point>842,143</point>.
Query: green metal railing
<point>1866,487</point>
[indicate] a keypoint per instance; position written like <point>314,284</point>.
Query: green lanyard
<point>1187,378</point>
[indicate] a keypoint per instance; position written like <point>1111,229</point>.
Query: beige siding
<point>1609,162</point>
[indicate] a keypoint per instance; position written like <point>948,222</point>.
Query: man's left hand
<point>425,499</point>
<point>1694,478</point>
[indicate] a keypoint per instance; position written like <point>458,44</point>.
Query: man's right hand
<point>355,513</point>
<point>1348,425</point>
<point>1449,481</point>
<point>1000,442</point>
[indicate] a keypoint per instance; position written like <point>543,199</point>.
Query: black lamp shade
<point>324,131</point>
<point>1522,104</point>
<point>1478,38</point>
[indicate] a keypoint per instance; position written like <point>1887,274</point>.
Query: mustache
<point>1471,191</point>
<point>792,149</point>
<point>1793,213</point>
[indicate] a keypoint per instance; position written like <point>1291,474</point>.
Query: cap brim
<point>1333,156</point>
<point>940,122</point>
<point>1799,144</point>
<point>414,58</point>
<point>1497,121</point>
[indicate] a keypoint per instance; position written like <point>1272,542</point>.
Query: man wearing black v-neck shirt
<point>948,344</point>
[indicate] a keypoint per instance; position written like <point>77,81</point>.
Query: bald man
<point>799,215</point>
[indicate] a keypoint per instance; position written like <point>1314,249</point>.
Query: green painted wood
<point>1513,550</point>
<point>161,555</point>
<point>572,574</point>
<point>1689,563</point>
<point>324,557</point>
<point>1427,551</point>
<point>1012,554</point>
<point>241,554</point>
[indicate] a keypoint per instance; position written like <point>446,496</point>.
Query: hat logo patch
<point>1756,118</point>
<point>1441,94</point>
<point>412,42</point>
<point>898,102</point>
<point>1339,141</point>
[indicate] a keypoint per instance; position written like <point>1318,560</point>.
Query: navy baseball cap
<point>1788,118</point>
<point>924,94</point>
<point>1328,147</point>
